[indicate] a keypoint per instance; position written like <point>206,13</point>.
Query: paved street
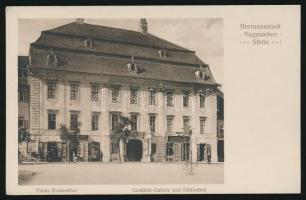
<point>124,173</point>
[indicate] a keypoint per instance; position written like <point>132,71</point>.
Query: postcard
<point>153,100</point>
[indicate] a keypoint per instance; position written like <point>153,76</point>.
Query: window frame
<point>95,121</point>
<point>188,119</point>
<point>170,98</point>
<point>74,113</point>
<point>202,125</point>
<point>134,95</point>
<point>151,116</point>
<point>51,122</point>
<point>115,91</point>
<point>74,91</point>
<point>152,97</point>
<point>21,119</point>
<point>169,118</point>
<point>202,100</point>
<point>51,89</point>
<point>134,126</point>
<point>112,120</point>
<point>94,92</point>
<point>186,96</point>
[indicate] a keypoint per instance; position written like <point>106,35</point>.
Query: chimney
<point>143,26</point>
<point>80,20</point>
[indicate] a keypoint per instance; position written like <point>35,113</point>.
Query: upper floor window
<point>20,122</point>
<point>134,122</point>
<point>51,120</point>
<point>220,129</point>
<point>115,121</point>
<point>134,94</point>
<point>202,100</point>
<point>115,94</point>
<point>169,123</point>
<point>186,122</point>
<point>152,96</point>
<point>74,91</point>
<point>202,124</point>
<point>186,99</point>
<point>152,123</point>
<point>51,89</point>
<point>23,93</point>
<point>170,98</point>
<point>94,92</point>
<point>95,121</point>
<point>74,120</point>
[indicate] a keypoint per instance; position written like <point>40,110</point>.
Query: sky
<point>204,36</point>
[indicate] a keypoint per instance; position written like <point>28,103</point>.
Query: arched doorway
<point>134,150</point>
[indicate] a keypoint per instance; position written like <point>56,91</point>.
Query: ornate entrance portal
<point>134,150</point>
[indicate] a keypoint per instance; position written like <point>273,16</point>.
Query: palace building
<point>87,77</point>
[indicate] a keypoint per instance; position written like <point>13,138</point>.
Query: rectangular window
<point>186,122</point>
<point>94,92</point>
<point>95,121</point>
<point>202,101</point>
<point>134,122</point>
<point>115,94</point>
<point>115,121</point>
<point>74,91</point>
<point>169,123</point>
<point>23,93</point>
<point>74,120</point>
<point>185,99</point>
<point>133,97</point>
<point>20,121</point>
<point>152,94</point>
<point>202,125</point>
<point>152,123</point>
<point>170,98</point>
<point>51,121</point>
<point>51,89</point>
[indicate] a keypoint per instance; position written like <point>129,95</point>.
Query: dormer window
<point>132,66</point>
<point>88,43</point>
<point>162,53</point>
<point>52,58</point>
<point>202,73</point>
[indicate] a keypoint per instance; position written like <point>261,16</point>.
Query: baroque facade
<point>88,76</point>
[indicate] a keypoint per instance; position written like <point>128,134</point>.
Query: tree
<point>121,133</point>
<point>24,136</point>
<point>71,136</point>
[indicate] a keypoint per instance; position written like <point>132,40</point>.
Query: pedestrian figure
<point>74,158</point>
<point>208,157</point>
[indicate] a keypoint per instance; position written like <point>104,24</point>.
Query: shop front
<point>178,148</point>
<point>65,151</point>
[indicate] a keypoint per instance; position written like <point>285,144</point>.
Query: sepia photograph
<point>120,101</point>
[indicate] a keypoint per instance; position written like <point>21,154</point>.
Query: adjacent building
<point>88,76</point>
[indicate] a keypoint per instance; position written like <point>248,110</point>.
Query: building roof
<point>112,49</point>
<point>114,34</point>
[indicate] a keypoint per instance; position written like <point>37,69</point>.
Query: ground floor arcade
<point>152,149</point>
